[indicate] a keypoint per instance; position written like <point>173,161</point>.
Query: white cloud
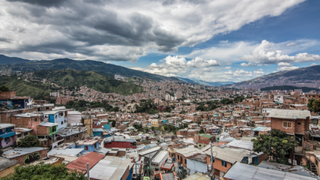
<point>123,30</point>
<point>228,72</point>
<point>286,66</point>
<point>199,62</point>
<point>291,44</point>
<point>265,54</point>
<point>250,64</point>
<point>228,67</point>
<point>241,72</point>
<point>259,71</point>
<point>314,64</point>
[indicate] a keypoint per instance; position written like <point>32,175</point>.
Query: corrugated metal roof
<point>241,171</point>
<point>81,163</point>
<point>289,114</point>
<point>241,144</point>
<point>159,157</point>
<point>110,168</point>
<point>230,155</point>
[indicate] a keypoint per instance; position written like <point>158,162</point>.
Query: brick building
<point>26,155</point>
<point>293,122</point>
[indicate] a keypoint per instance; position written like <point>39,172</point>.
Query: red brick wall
<point>278,124</point>
<point>42,130</point>
<point>7,95</point>
<point>217,164</point>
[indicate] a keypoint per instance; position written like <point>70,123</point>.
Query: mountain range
<point>302,77</point>
<point>86,65</point>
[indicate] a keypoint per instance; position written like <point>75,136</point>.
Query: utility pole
<point>211,159</point>
<point>88,171</point>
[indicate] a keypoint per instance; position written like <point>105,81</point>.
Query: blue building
<point>89,145</point>
<point>8,135</point>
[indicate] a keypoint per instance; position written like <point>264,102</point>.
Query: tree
<point>29,141</point>
<point>44,171</point>
<point>276,144</point>
<point>4,88</point>
<point>201,131</point>
<point>314,105</point>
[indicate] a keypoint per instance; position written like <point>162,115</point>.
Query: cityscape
<point>159,90</point>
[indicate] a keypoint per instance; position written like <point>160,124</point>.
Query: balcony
<point>8,134</point>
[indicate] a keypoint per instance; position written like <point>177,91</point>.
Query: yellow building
<point>154,123</point>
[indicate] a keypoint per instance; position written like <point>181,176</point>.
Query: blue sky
<point>208,40</point>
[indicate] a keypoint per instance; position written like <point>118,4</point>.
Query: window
<point>61,122</point>
<point>68,138</point>
<point>35,119</point>
<point>287,124</point>
<point>7,140</point>
<point>86,148</point>
<point>224,163</point>
<point>47,107</point>
<point>299,123</point>
<point>19,135</point>
<point>25,134</point>
<point>213,159</point>
<point>76,136</point>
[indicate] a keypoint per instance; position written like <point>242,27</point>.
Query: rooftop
<point>230,155</point>
<point>6,163</point>
<point>241,171</point>
<point>188,151</point>
<point>289,114</point>
<point>80,164</point>
<point>110,168</point>
<point>16,152</point>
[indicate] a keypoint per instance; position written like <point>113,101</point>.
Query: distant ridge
<point>302,77</point>
<point>85,65</point>
<point>4,60</point>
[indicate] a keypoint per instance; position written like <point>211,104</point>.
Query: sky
<point>209,40</point>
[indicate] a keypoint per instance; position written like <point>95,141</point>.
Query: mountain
<point>86,65</point>
<point>31,83</point>
<point>206,83</point>
<point>302,77</point>
<point>4,60</point>
<point>304,89</point>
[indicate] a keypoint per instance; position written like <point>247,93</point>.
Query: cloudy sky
<point>210,40</point>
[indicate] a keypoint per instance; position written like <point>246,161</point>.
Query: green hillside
<point>87,65</point>
<point>67,78</point>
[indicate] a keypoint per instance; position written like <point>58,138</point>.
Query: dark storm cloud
<point>117,29</point>
<point>6,40</point>
<point>46,3</point>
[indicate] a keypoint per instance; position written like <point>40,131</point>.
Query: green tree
<point>138,126</point>
<point>29,141</point>
<point>201,131</point>
<point>4,88</point>
<point>314,105</point>
<point>276,144</point>
<point>44,172</point>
